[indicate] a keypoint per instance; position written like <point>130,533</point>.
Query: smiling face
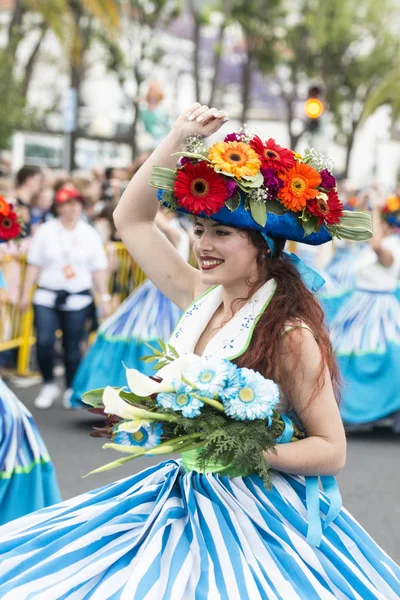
<point>225,255</point>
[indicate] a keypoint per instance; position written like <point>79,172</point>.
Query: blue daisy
<point>233,384</point>
<point>209,376</point>
<point>255,398</point>
<point>182,401</point>
<point>148,436</point>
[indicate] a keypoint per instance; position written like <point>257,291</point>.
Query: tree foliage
<point>256,20</point>
<point>351,49</point>
<point>62,17</point>
<point>12,106</point>
<point>356,60</point>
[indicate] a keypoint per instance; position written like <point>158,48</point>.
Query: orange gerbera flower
<point>234,157</point>
<point>4,207</point>
<point>300,185</point>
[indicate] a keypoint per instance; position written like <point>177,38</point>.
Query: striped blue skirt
<point>27,478</point>
<point>145,316</point>
<point>165,534</point>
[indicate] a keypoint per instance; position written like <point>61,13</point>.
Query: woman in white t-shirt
<point>365,332</point>
<point>65,258</point>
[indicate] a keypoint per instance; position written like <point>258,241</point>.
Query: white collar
<point>232,339</point>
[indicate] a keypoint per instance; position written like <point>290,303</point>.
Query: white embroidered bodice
<point>234,337</point>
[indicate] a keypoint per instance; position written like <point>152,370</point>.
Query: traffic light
<point>313,108</point>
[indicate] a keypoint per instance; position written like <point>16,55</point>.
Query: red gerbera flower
<point>10,227</point>
<point>329,210</point>
<point>198,188</point>
<point>273,156</point>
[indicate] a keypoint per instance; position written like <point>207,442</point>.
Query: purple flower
<point>231,187</point>
<point>271,182</point>
<point>233,137</point>
<point>184,160</point>
<point>328,181</point>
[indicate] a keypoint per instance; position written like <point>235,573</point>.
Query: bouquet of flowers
<point>229,413</point>
<point>10,224</point>
<point>270,178</point>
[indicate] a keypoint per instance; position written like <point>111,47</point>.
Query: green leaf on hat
<point>274,206</point>
<point>234,202</point>
<point>354,225</point>
<point>310,225</point>
<point>258,212</point>
<point>258,178</point>
<point>306,216</point>
<point>224,173</point>
<point>163,178</point>
<point>249,183</point>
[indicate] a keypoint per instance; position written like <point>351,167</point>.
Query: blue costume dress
<point>172,533</point>
<point>340,277</point>
<point>334,290</point>
<point>144,317</point>
<point>365,334</point>
<point>27,477</point>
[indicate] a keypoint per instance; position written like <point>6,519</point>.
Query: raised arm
<point>384,255</point>
<point>136,212</point>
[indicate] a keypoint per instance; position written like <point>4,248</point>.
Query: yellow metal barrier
<point>125,275</point>
<point>16,329</point>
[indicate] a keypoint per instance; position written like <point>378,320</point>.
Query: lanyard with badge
<point>66,247</point>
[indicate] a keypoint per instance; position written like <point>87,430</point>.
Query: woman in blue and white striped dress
<point>174,532</point>
<point>27,477</point>
<point>365,332</point>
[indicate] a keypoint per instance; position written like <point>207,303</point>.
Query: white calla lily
<point>143,386</point>
<point>115,405</point>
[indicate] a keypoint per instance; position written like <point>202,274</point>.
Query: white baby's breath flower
<point>317,160</point>
<point>258,195</point>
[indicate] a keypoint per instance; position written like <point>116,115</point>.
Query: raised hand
<point>200,120</point>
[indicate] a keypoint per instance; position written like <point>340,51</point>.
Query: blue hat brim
<point>286,226</point>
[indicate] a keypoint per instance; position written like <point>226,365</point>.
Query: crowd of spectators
<point>68,235</point>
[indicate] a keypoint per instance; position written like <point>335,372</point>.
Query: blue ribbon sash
<point>330,487</point>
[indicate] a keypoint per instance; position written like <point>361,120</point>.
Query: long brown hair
<point>292,302</point>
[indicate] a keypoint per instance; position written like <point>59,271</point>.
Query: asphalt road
<point>370,482</point>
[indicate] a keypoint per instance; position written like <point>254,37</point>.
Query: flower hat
<point>391,211</point>
<point>10,228</point>
<point>249,183</point>
<point>10,222</point>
